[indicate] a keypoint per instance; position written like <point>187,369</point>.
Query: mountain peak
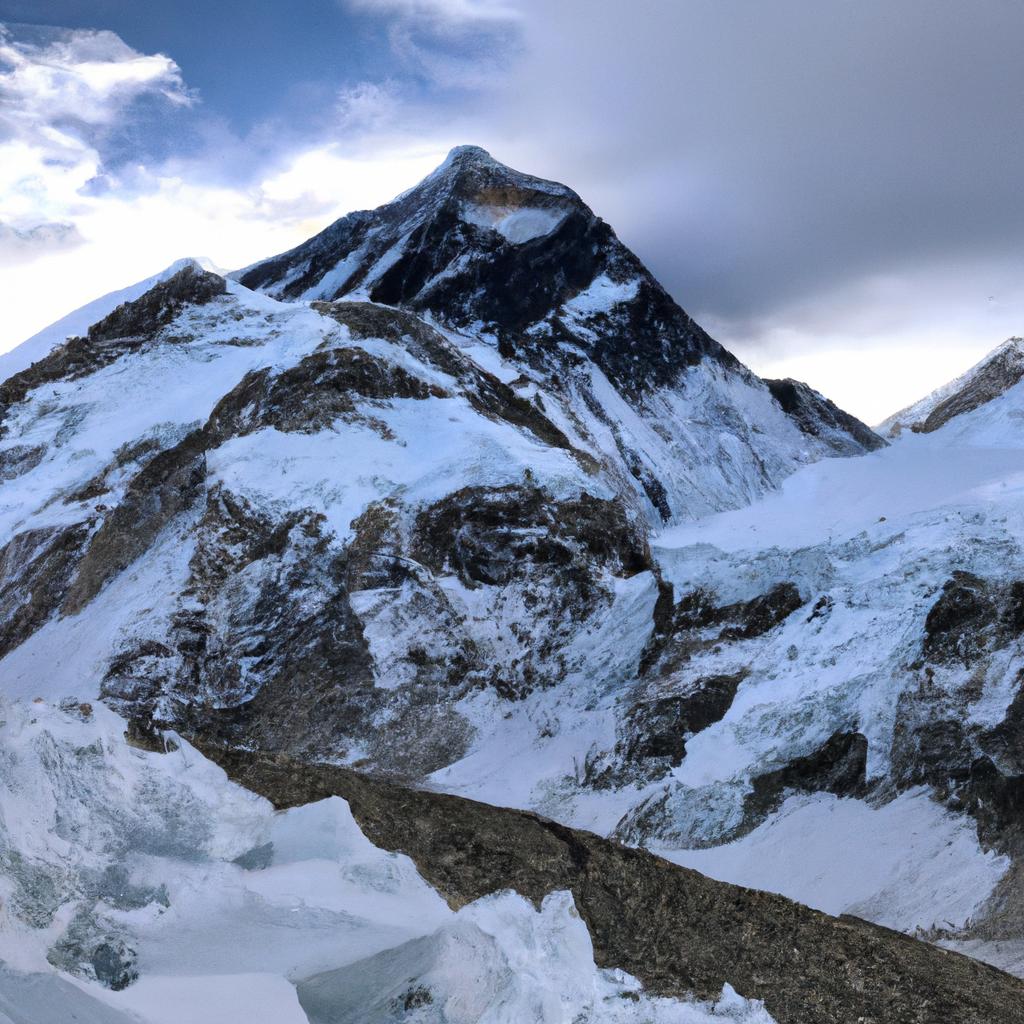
<point>470,173</point>
<point>987,380</point>
<point>469,154</point>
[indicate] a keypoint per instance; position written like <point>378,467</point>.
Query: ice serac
<point>524,265</point>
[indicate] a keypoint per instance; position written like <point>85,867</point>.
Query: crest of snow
<point>517,224</point>
<point>908,864</point>
<point>834,499</point>
<point>600,296</point>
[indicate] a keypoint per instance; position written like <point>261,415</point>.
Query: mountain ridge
<point>984,382</point>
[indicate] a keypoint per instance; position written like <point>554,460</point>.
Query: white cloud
<point>452,11</point>
<point>56,99</point>
<point>64,242</point>
<point>88,76</point>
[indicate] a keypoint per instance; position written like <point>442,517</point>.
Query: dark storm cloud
<point>759,152</point>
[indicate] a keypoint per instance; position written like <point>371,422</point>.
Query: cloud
<point>769,159</point>
<point>81,76</point>
<point>442,11</point>
<point>453,44</point>
<point>61,93</point>
<point>20,247</point>
<point>69,213</point>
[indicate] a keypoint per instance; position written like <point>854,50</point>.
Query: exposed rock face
<point>169,485</point>
<point>695,623</point>
<point>818,417</point>
<point>674,929</point>
<point>36,571</point>
<point>838,766</point>
<point>446,248</point>
<point>658,729</point>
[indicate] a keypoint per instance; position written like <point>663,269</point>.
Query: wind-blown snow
<point>600,296</point>
<point>80,320</point>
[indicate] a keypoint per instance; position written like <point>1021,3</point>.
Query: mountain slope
<point>79,321</point>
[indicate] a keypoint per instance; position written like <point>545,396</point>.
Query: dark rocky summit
<point>480,244</point>
<point>455,265</point>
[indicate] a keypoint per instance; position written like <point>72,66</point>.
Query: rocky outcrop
<point>971,617</point>
<point>979,770</point>
<point>838,766</point>
<point>37,569</point>
<point>656,730</point>
<point>674,929</point>
<point>696,623</point>
<point>818,417</point>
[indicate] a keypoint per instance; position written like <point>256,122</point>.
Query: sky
<point>831,187</point>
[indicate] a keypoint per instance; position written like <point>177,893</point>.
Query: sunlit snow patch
<point>517,224</point>
<point>600,296</point>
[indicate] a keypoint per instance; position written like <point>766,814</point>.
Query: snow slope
<point>1000,370</point>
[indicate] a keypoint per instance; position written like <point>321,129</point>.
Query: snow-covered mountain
<point>526,269</point>
<point>456,494</point>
